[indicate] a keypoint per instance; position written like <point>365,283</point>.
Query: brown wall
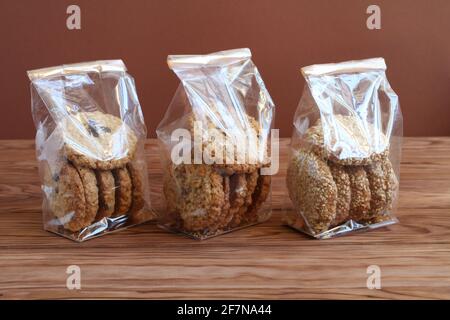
<point>283,36</point>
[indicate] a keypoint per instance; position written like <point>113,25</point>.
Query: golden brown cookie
<point>350,141</point>
<point>241,149</point>
<point>391,183</point>
<point>97,140</point>
<point>123,191</point>
<point>67,201</point>
<point>106,193</point>
<point>383,185</point>
<point>90,192</point>
<point>239,194</point>
<point>312,190</point>
<point>259,196</point>
<point>344,193</point>
<point>137,202</point>
<point>361,195</point>
<point>197,195</point>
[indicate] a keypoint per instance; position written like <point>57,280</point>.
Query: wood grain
<point>264,261</point>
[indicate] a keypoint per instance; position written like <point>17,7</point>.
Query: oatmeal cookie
<point>68,202</point>
<point>90,192</point>
<point>240,147</point>
<point>106,193</point>
<point>137,202</point>
<point>361,195</point>
<point>199,197</point>
<point>97,140</point>
<point>312,190</point>
<point>259,196</point>
<point>238,197</point>
<point>350,143</point>
<point>123,191</point>
<point>342,181</point>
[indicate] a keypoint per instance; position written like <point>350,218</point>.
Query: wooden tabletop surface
<point>264,261</point>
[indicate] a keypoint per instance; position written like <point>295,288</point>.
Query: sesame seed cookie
<point>351,141</point>
<point>97,140</point>
<point>383,185</point>
<point>106,193</point>
<point>312,190</point>
<point>123,191</point>
<point>361,195</point>
<point>344,193</point>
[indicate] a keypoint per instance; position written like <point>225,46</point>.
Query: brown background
<point>283,36</point>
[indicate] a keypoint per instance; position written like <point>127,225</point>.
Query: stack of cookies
<point>209,199</point>
<point>95,176</point>
<point>341,176</point>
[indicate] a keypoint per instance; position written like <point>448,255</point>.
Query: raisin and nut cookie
<point>97,140</point>
<point>350,142</point>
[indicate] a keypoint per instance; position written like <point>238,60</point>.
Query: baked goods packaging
<point>214,139</point>
<point>343,172</point>
<point>90,148</point>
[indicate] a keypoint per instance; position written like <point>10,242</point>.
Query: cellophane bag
<point>90,148</point>
<point>214,141</point>
<point>343,172</point>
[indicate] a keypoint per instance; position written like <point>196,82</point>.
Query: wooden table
<point>264,261</point>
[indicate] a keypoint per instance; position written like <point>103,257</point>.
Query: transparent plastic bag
<point>343,172</point>
<point>90,148</point>
<point>219,121</point>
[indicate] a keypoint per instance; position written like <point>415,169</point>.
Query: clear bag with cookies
<point>343,172</point>
<point>214,140</point>
<point>90,148</point>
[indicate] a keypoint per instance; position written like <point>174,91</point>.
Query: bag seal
<point>76,68</point>
<point>221,58</point>
<point>344,67</point>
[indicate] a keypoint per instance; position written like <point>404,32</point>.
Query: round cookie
<point>391,183</point>
<point>90,192</point>
<point>199,197</point>
<point>241,150</point>
<point>383,185</point>
<point>226,208</point>
<point>123,191</point>
<point>106,193</point>
<point>344,193</point>
<point>239,194</point>
<point>376,176</point>
<point>97,140</point>
<point>137,202</point>
<point>67,201</point>
<point>361,195</point>
<point>312,190</point>
<point>350,143</point>
<point>259,196</point>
